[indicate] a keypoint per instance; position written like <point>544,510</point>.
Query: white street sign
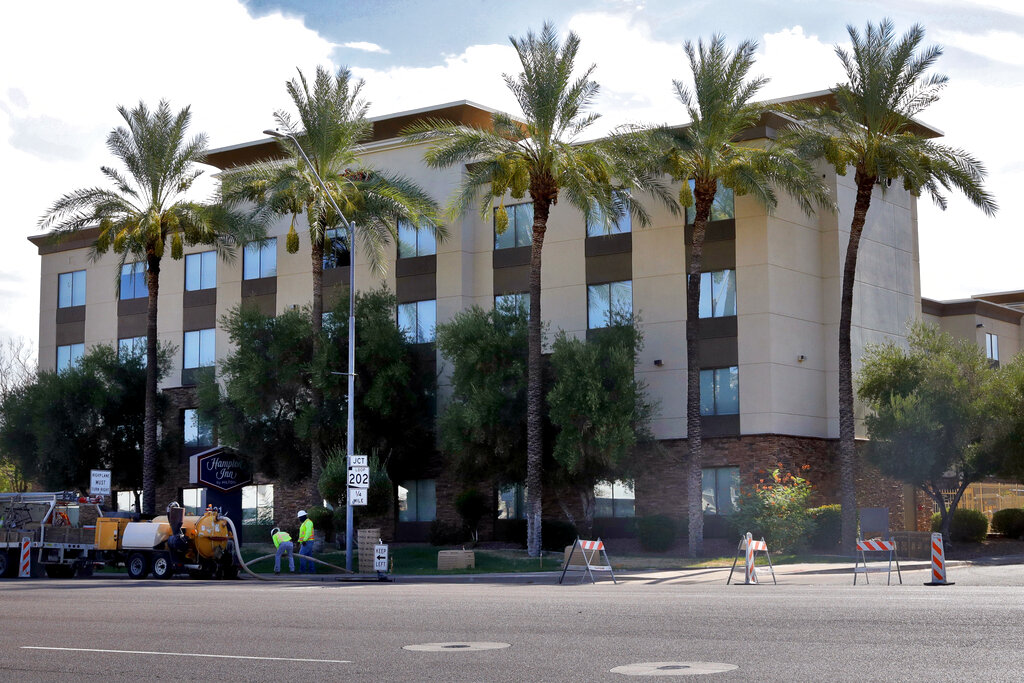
<point>380,558</point>
<point>357,496</point>
<point>359,477</point>
<point>357,461</point>
<point>100,485</point>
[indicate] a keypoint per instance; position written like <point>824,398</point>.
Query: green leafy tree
<point>931,413</point>
<point>483,426</point>
<point>331,126</point>
<point>869,126</point>
<point>540,156</point>
<point>90,416</point>
<point>146,210</point>
<point>599,410</point>
<point>708,153</point>
<point>1006,436</point>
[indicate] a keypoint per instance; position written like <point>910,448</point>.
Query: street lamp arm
<point>282,135</point>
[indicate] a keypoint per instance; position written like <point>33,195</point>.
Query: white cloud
<point>366,47</point>
<point>1001,46</point>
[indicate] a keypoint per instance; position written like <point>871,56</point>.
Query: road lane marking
<point>184,654</point>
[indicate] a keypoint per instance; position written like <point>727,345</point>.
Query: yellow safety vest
<point>306,531</point>
<point>281,537</point>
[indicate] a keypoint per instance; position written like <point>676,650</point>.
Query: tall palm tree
<point>707,153</point>
<point>331,126</point>
<point>870,128</point>
<point>144,211</point>
<point>540,156</point>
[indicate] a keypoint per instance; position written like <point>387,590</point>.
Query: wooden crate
<point>456,559</point>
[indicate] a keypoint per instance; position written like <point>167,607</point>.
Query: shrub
<point>323,522</point>
<point>472,506</point>
<point>657,533</point>
<point>446,533</point>
<point>828,526</point>
<point>777,510</point>
<point>339,521</point>
<point>1009,522</point>
<point>968,526</point>
<point>511,531</point>
<point>555,534</point>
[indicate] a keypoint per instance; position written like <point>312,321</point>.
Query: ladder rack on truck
<point>60,546</point>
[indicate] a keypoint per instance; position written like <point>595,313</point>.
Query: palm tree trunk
<point>847,446</point>
<point>150,416</point>
<point>704,195</point>
<point>534,387</point>
<point>317,325</point>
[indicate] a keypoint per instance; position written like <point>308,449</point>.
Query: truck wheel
<point>5,563</point>
<point>163,568</point>
<point>138,565</point>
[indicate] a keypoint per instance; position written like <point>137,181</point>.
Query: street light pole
<point>350,441</point>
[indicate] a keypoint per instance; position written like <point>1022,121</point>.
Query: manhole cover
<point>673,668</point>
<point>463,647</point>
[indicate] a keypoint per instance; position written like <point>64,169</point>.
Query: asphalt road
<point>811,627</point>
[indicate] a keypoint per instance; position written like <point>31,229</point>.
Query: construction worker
<point>283,543</point>
<point>305,543</point>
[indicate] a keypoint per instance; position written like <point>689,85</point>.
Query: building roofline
<point>977,307</point>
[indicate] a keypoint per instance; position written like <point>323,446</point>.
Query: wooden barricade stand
<point>749,547</point>
<point>860,563</point>
<point>588,550</point>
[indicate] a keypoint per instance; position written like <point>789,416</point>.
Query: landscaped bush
<point>828,526</point>
<point>968,526</point>
<point>323,522</point>
<point>555,534</point>
<point>657,533</point>
<point>472,505</point>
<point>777,510</point>
<point>446,533</point>
<point>1009,522</point>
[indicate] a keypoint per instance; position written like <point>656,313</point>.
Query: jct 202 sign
<point>220,470</point>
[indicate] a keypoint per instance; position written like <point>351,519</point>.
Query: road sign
<point>357,461</point>
<point>380,558</point>
<point>359,477</point>
<point>100,485</point>
<point>357,496</point>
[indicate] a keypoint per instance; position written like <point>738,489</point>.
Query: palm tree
<point>707,152</point>
<point>869,126</point>
<point>539,156</point>
<point>331,125</point>
<point>144,211</point>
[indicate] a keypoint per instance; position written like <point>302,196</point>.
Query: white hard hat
<point>302,513</point>
<point>274,531</point>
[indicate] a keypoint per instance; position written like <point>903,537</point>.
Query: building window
<point>198,432</point>
<point>69,355</point>
<point>412,242</point>
<point>335,248</point>
<point>71,289</point>
<point>598,226</point>
<point>718,294</point>
<point>258,504</point>
<point>519,232</point>
<point>131,346</point>
<point>609,304</point>
<point>514,301</point>
<point>614,499</point>
<point>720,488</point>
<point>194,501</point>
<point>992,346</point>
<point>133,281</point>
<point>417,501</point>
<point>722,207</point>
<point>417,320</point>
<point>260,260</point>
<point>201,271</point>
<point>720,391</point>
<point>131,501</point>
<point>512,502</point>
<point>199,348</point>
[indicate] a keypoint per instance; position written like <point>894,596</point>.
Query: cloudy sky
<point>65,66</point>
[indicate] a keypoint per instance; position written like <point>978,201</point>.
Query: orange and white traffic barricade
<point>877,545</point>
<point>25,558</point>
<point>938,563</point>
<point>749,548</point>
<point>590,552</point>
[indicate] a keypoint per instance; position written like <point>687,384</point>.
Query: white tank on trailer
<point>144,535</point>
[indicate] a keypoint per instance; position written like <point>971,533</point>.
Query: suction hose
<point>245,565</point>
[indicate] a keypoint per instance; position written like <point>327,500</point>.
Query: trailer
<point>59,545</point>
